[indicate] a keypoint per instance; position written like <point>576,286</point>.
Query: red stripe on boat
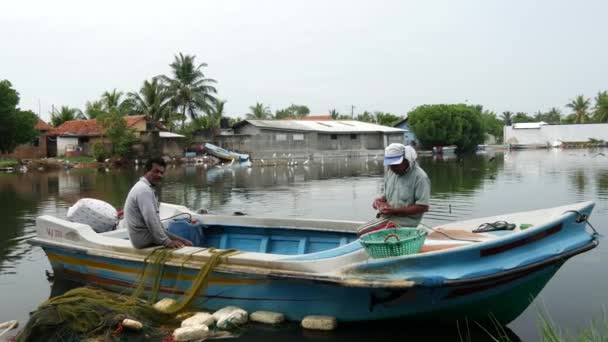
<point>520,242</point>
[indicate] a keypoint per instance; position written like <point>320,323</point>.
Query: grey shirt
<point>142,218</point>
<point>412,187</point>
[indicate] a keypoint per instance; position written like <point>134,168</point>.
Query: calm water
<point>341,189</point>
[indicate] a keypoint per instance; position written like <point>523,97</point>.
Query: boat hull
<point>225,154</point>
<point>504,296</point>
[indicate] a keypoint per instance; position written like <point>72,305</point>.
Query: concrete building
<point>541,134</point>
<point>305,138</point>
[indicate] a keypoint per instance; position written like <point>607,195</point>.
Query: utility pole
<point>352,112</point>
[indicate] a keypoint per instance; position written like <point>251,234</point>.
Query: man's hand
<point>379,203</point>
<point>386,210</point>
<point>175,244</point>
<point>187,242</point>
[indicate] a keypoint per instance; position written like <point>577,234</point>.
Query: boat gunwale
<point>341,276</point>
<point>364,282</point>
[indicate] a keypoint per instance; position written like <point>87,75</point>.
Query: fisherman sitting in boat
<point>141,211</point>
<point>407,188</point>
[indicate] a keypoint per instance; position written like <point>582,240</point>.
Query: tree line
<point>171,99</point>
<point>583,111</point>
<point>186,93</point>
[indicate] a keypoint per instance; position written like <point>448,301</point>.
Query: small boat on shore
<point>225,154</point>
<point>303,267</point>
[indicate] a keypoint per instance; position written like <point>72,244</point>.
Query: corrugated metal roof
<point>333,126</point>
<point>324,117</point>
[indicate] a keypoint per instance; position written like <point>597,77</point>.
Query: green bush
<point>99,152</point>
<point>443,125</point>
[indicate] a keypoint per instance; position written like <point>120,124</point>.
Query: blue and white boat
<point>303,267</point>
<point>225,154</point>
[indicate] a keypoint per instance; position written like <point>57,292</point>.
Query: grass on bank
<point>80,159</point>
<point>595,331</point>
<point>8,163</point>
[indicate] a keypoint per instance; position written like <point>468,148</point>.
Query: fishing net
<point>91,312</point>
<point>85,312</point>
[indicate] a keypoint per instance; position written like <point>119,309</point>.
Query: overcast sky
<point>376,55</point>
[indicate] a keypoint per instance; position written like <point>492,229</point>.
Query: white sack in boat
<point>200,318</point>
<point>230,316</point>
<point>191,333</point>
<point>101,216</point>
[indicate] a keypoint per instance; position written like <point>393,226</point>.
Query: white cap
<point>393,154</point>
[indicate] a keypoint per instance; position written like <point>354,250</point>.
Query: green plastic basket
<point>393,242</point>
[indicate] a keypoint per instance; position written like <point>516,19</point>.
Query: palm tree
<point>507,118</point>
<point>190,90</point>
<point>600,113</point>
<point>94,109</point>
<point>259,112</point>
<point>334,114</point>
<point>215,115</point>
<point>65,114</point>
<point>114,101</point>
<point>152,100</point>
<point>553,116</point>
<point>366,117</point>
<point>579,105</point>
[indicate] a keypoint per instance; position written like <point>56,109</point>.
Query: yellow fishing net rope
<point>154,267</point>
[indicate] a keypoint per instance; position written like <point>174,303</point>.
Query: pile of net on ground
<point>90,312</point>
<point>87,312</point>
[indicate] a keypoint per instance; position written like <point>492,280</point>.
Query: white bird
<point>289,155</point>
<point>274,155</point>
<point>262,161</point>
<point>306,161</point>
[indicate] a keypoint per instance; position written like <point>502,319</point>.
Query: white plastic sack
<point>101,216</point>
<point>230,316</point>
<point>191,333</point>
<point>200,318</point>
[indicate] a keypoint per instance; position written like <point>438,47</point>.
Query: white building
<point>537,134</point>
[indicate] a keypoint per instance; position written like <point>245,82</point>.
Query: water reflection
<point>462,187</point>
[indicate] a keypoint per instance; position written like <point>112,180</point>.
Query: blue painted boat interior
<point>261,240</point>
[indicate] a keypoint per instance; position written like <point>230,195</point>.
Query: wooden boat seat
<point>452,234</point>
